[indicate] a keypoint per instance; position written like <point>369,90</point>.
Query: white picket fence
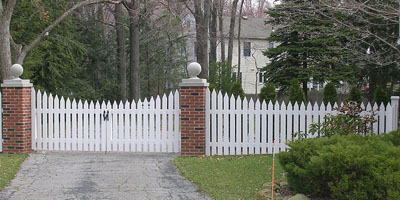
<point>236,127</point>
<point>1,124</point>
<point>146,126</point>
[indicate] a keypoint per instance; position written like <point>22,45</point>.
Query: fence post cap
<point>194,70</point>
<point>16,71</point>
<point>394,98</point>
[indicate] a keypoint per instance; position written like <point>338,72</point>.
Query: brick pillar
<point>193,113</point>
<point>17,133</point>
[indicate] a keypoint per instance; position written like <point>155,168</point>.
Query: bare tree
<point>239,29</point>
<point>221,28</point>
<point>231,31</point>
<point>121,48</point>
<point>134,62</point>
<point>20,52</point>
<point>202,15</point>
<point>213,31</point>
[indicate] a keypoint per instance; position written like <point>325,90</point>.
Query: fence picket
<point>56,113</point>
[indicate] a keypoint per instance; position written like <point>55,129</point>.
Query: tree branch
<point>6,15</point>
<point>47,30</point>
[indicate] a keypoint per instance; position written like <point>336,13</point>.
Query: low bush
<point>355,95</point>
<point>344,166</point>
<point>268,93</point>
<point>330,94</point>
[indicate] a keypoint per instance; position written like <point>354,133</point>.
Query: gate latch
<point>105,115</point>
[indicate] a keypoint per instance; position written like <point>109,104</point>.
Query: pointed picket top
<point>251,104</point>
<point>79,104</point>
<point>97,105</point>
<point>158,102</point>
<point>309,106</point>
<point>220,100</point>
<point>151,103</point>
<point>283,106</point>
<point>258,104</point>
<point>238,104</point>
<point>51,101</point>
<point>85,105</point>
<point>329,107</point>
<point>121,105</point>
<point>322,107</point>
<point>388,106</point>
<point>176,100</point>
<point>289,106</point>
<point>56,102</point>
<point>376,107</point>
<point>296,106</point>
<point>226,101</point>
<point>264,105</point>
<point>270,106</point>
<point>382,107</point>
<point>276,105</point>
<point>363,106</point>
<point>171,101</point>
<point>62,103</point>
<point>45,100</point>
<point>133,104</point>
<point>164,102</point>
<point>213,100</point>
<point>315,107</point>
<point>335,105</point>
<point>74,104</point>
<point>103,105</point>
<point>302,106</point>
<point>232,101</point>
<point>245,105</point>
<point>139,105</point>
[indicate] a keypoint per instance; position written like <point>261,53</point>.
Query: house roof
<point>252,28</point>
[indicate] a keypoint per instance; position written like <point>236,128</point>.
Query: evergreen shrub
<point>380,96</point>
<point>330,94</point>
<point>355,95</point>
<point>295,92</point>
<point>268,93</point>
<point>237,90</point>
<point>344,167</point>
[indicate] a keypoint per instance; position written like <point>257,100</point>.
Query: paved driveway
<point>100,176</point>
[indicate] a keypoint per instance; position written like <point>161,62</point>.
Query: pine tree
<point>268,93</point>
<point>309,46</point>
<point>295,92</point>
<point>355,95</point>
<point>330,94</point>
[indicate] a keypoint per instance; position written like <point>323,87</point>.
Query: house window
<point>246,49</point>
<point>261,77</point>
<point>270,45</point>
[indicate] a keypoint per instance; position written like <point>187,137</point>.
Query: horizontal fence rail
<point>236,126</point>
<point>146,126</point>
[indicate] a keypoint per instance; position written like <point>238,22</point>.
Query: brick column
<point>193,113</point>
<point>17,133</point>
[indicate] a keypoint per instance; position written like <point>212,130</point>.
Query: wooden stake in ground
<point>273,170</point>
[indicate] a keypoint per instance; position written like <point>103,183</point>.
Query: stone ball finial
<point>16,71</point>
<point>194,69</point>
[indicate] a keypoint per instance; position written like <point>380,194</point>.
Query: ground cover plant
<point>9,166</point>
<point>229,177</point>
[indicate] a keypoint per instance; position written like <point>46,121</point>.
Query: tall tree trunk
<point>221,29</point>
<point>304,82</point>
<point>5,37</point>
<point>134,52</point>
<point>239,29</point>
<point>213,32</point>
<point>231,31</point>
<point>202,23</point>
<point>119,22</point>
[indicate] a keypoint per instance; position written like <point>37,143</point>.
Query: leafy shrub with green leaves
<point>268,93</point>
<point>355,95</point>
<point>344,167</point>
<point>380,96</point>
<point>393,137</point>
<point>330,94</point>
<point>348,121</point>
<point>296,93</point>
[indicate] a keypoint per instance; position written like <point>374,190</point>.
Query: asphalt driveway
<point>86,175</point>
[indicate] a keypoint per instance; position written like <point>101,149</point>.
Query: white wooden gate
<point>145,126</point>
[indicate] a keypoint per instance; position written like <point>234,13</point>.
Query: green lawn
<point>9,166</point>
<point>229,177</point>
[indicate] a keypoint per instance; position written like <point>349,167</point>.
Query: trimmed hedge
<point>345,167</point>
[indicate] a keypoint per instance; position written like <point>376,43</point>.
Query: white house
<point>254,32</point>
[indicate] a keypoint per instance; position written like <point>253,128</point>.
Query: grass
<point>229,177</point>
<point>9,166</point>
